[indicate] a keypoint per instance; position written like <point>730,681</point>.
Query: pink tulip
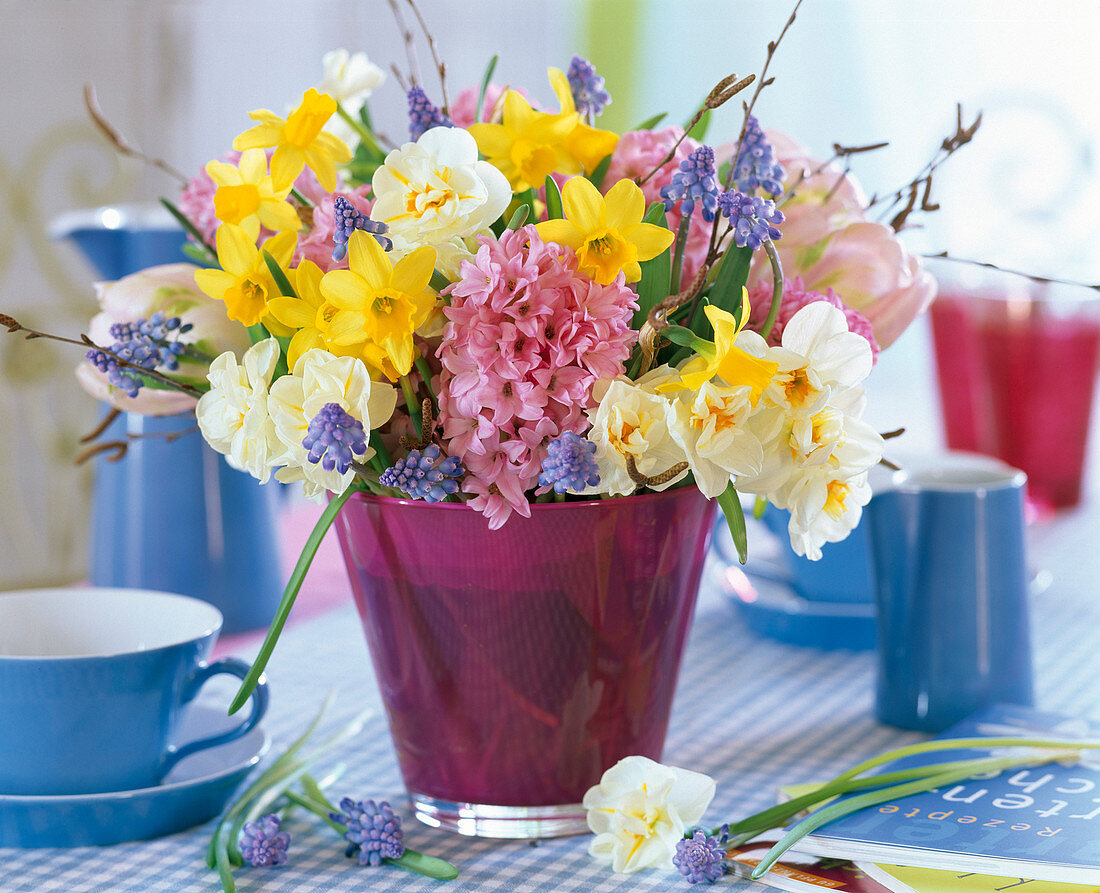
<point>829,242</point>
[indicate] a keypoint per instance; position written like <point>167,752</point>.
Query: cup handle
<point>234,667</point>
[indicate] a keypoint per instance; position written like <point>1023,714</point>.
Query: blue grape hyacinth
<point>373,830</point>
<point>347,219</point>
<point>427,474</point>
<point>570,464</point>
<point>262,844</point>
<point>695,182</point>
<point>334,438</point>
<point>587,87</point>
<point>756,167</point>
<point>754,219</point>
<point>423,115</point>
<point>700,859</point>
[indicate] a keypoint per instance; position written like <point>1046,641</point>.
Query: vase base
<point>514,822</point>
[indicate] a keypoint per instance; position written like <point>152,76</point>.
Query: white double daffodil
<point>436,192</point>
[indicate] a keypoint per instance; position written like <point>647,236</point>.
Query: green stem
<point>289,595</point>
<point>365,136</point>
<point>781,813</point>
<point>267,777</point>
<point>301,198</point>
<point>861,801</point>
<point>426,374</point>
<point>678,256</point>
<point>192,231</point>
<point>381,454</point>
<point>777,288</point>
<point>412,404</point>
<point>318,809</point>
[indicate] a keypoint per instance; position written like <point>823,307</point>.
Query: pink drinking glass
<point>517,665</point>
<point>1016,361</point>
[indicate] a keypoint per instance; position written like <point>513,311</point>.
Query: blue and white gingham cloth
<point>752,713</point>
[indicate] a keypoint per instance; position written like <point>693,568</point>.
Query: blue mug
<point>93,683</point>
<point>950,571</point>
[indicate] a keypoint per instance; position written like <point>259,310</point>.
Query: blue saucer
<point>767,598</point>
<point>194,791</point>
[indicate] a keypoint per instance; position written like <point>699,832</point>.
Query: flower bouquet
<point>523,357</point>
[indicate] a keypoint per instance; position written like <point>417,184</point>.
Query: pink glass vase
<point>517,665</point>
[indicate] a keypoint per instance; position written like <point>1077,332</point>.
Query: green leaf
<point>199,254</point>
<point>650,123</point>
<point>488,76</point>
<point>553,200</point>
<point>654,285</point>
<point>599,172</point>
<point>429,866</point>
<point>187,225</point>
<point>519,217</point>
<point>733,273</point>
<point>285,288</point>
<point>289,595</point>
<point>439,281</point>
<point>699,131</point>
<point>735,518</point>
<point>680,335</point>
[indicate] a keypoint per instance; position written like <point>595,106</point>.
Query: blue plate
<point>195,791</point>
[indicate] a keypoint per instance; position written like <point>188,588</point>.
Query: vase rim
<point>535,506</point>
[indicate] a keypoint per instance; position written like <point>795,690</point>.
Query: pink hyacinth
<point>316,245</point>
<point>527,337</point>
<point>795,297</point>
<point>636,154</point>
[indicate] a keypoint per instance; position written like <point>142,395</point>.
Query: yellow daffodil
<point>247,198</point>
<point>244,282</point>
<point>309,313</point>
<point>587,144</point>
<point>734,365</point>
<point>299,141</point>
<point>528,145</point>
<point>606,232</point>
<point>380,304</point>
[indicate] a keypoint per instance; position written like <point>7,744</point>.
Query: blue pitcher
<point>171,514</point>
<point>950,572</point>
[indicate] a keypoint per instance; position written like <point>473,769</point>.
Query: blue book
<point>1034,822</point>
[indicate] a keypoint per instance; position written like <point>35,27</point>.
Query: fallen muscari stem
<point>889,785</point>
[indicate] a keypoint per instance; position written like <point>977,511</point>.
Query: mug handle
<point>234,667</point>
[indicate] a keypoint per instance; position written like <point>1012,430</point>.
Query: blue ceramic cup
<point>950,571</point>
<point>93,683</point>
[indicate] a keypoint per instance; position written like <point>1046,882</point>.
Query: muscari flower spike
<point>700,859</point>
<point>143,342</point>
<point>587,87</point>
<point>753,218</point>
<point>756,166</point>
<point>262,844</point>
<point>423,115</point>
<point>427,474</point>
<point>373,829</point>
<point>570,464</point>
<point>347,219</point>
<point>695,181</point>
<point>334,438</point>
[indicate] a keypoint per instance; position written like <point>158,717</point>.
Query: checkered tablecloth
<point>752,713</point>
